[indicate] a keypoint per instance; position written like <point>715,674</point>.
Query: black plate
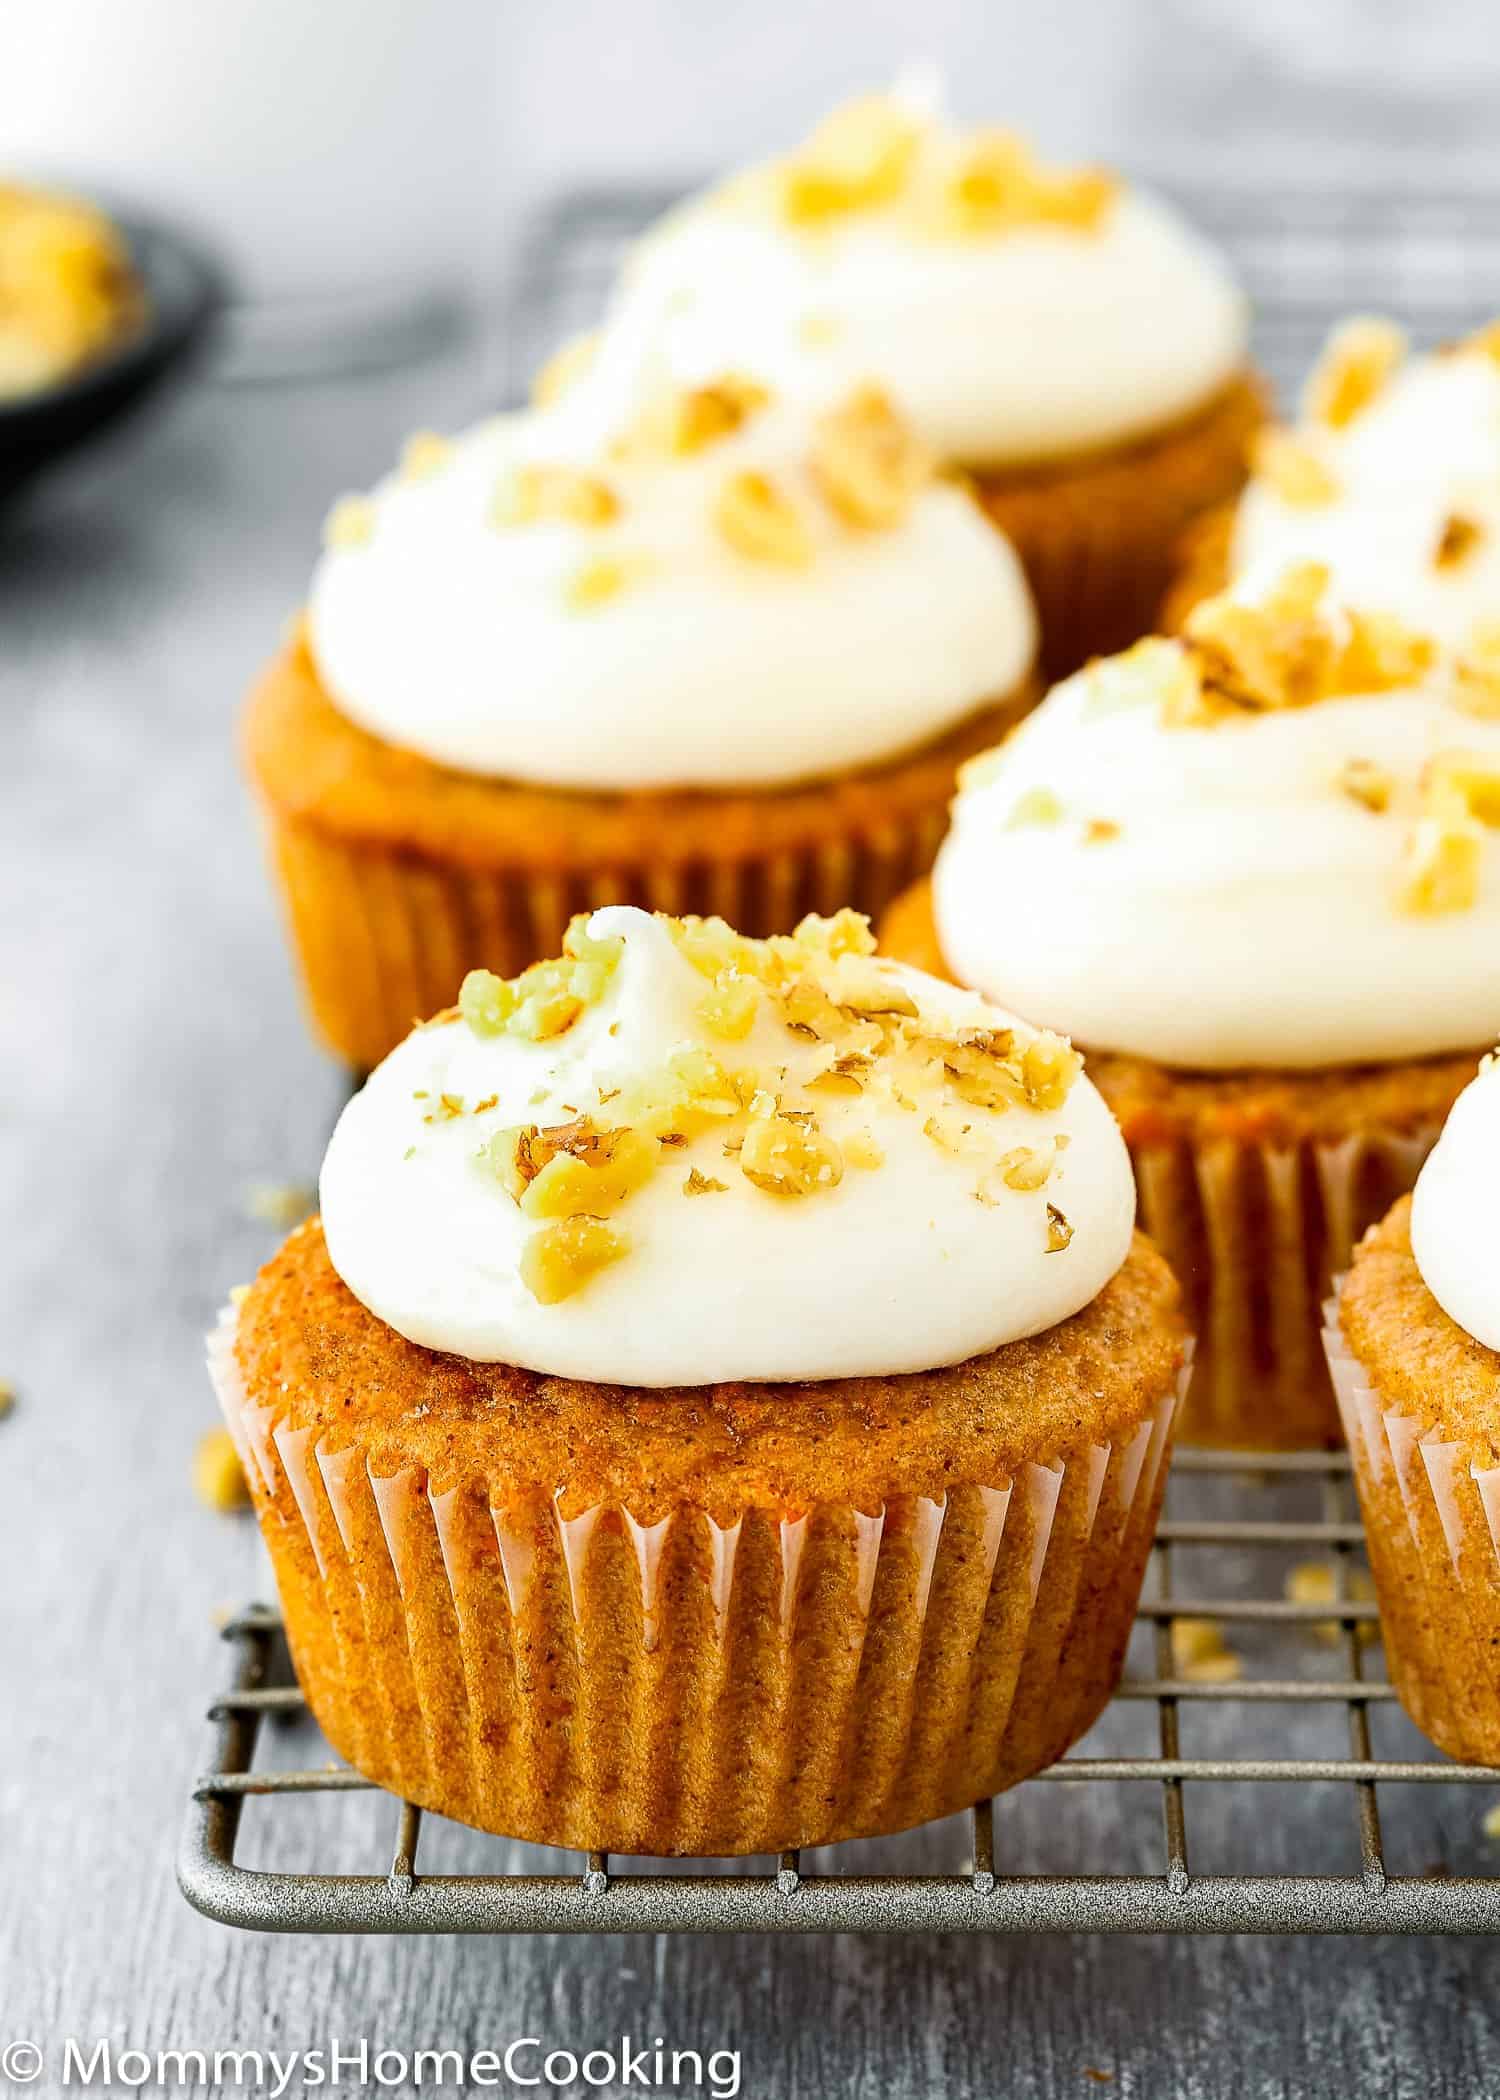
<point>184,293</point>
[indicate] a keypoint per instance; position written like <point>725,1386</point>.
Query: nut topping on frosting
<point>1459,538</point>
<point>1476,673</point>
<point>822,985</point>
<point>351,522</point>
<point>997,184</point>
<point>679,421</point>
<point>563,369</point>
<point>1293,469</point>
<point>760,521</point>
<point>880,1150</point>
<point>1358,359</point>
<point>534,495</point>
<point>859,156</point>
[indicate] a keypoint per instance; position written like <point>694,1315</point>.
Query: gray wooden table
<point>152,1065</point>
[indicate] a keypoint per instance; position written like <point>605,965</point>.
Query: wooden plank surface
<point>152,1066</point>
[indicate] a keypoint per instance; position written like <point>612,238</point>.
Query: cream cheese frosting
<point>1174,859</point>
<point>1392,478</point>
<point>655,587</point>
<point>677,1158</point>
<point>1455,1235</point>
<point>1013,312</point>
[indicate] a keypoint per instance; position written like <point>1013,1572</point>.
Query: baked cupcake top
<point>1391,477</point>
<point>668,587</point>
<point>1013,310</point>
<point>1271,842</point>
<point>1453,1212</point>
<point>678,1157</point>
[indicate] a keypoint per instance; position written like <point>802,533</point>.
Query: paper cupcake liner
<point>1256,1234</point>
<point>717,1682</point>
<point>383,938</point>
<point>1099,538</point>
<point>1432,1524</point>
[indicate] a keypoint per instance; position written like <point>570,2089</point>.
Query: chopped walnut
<point>1037,805</point>
<point>1098,831</point>
<point>1457,541</point>
<point>1358,361</point>
<point>561,1258</point>
<point>1059,1231</point>
<point>754,516</point>
<point>861,1150</point>
<point>423,454</point>
<point>351,523</point>
<point>1288,465</point>
<point>563,369</point>
<point>1028,1166</point>
<point>572,1169</point>
<point>1476,673</point>
<point>1471,778</point>
<point>1367,782</point>
<point>996,184</point>
<point>867,461</point>
<point>1440,867</point>
<point>1153,672</point>
<point>547,998</point>
<point>598,580</point>
<point>535,495</point>
<point>789,1158</point>
<point>859,156</point>
<point>1314,1582</point>
<point>1200,1653</point>
<point>703,1185</point>
<point>680,421</point>
<point>728,1008</point>
<point>1290,651</point>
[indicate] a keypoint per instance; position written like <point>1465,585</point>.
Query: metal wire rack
<point>1306,259</point>
<point>1234,1557</point>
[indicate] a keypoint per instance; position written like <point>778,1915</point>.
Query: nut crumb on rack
<point>218,1478</point>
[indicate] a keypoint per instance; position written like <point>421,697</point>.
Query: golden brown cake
<point>824,1556</point>
<point>1271,918</point>
<point>1055,334</point>
<point>1419,1389</point>
<point>694,649</point>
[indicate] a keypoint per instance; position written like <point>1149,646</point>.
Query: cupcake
<point>690,648</point>
<point>1067,341</point>
<point>69,292</point>
<point>1255,872</point>
<point>723,1405</point>
<point>1414,1346</point>
<point>1391,478</point>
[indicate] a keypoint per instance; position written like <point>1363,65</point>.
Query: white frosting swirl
<point>1022,344</point>
<point>897,1268</point>
<point>1455,1213</point>
<point>454,637</point>
<point>1244,910</point>
<point>1425,450</point>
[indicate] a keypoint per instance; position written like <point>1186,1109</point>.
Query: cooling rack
<point>1305,258</point>
<point>1306,1667</point>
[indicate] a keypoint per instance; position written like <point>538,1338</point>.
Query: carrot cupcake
<point>723,1405</point>
<point>1256,873</point>
<point>1391,478</point>
<point>1067,340</point>
<point>694,649</point>
<point>1414,1346</point>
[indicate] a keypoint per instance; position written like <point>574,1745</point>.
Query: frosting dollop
<point>659,587</point>
<point>1272,842</point>
<point>678,1157</point>
<point>1391,477</point>
<point>1014,312</point>
<point>1455,1212</point>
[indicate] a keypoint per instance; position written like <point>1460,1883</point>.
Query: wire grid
<point>835,1894</point>
<point>1306,259</point>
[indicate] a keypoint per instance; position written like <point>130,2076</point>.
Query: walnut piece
<point>1357,362</point>
<point>533,494</point>
<point>996,184</point>
<point>1459,538</point>
<point>424,454</point>
<point>351,523</point>
<point>1365,781</point>
<point>560,1259</point>
<point>861,155</point>
<point>789,1158</point>
<point>761,522</point>
<point>218,1478</point>
<point>564,368</point>
<point>867,461</point>
<point>1287,464</point>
